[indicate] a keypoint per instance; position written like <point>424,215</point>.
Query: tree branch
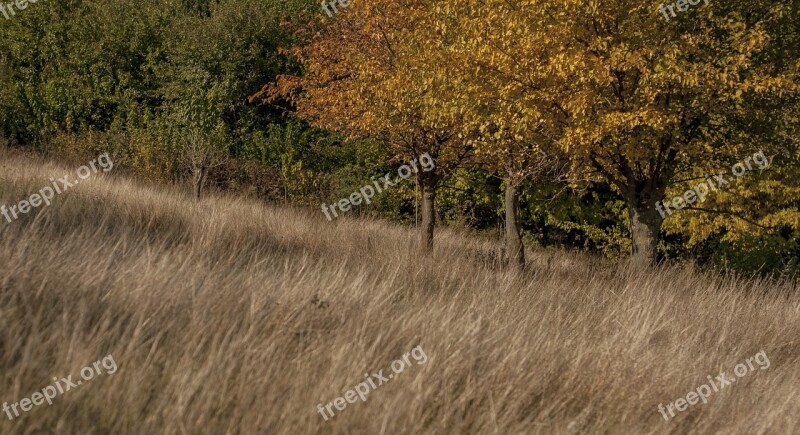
<point>736,215</point>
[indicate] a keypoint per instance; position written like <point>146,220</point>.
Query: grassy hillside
<point>230,316</point>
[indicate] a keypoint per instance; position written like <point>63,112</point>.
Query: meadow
<point>226,315</point>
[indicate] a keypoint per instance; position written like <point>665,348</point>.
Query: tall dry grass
<point>228,316</point>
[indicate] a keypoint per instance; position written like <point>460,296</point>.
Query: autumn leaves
<point>680,5</point>
<point>699,192</point>
<point>516,89</point>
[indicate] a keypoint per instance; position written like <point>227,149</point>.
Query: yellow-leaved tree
<point>370,73</point>
<point>659,99</point>
<point>506,58</point>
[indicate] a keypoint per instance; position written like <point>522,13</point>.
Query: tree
<point>631,98</point>
<point>657,99</point>
<point>202,138</point>
<point>758,213</point>
<point>374,72</point>
<point>506,56</point>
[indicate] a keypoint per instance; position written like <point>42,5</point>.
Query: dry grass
<point>228,316</point>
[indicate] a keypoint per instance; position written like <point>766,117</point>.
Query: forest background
<point>276,100</point>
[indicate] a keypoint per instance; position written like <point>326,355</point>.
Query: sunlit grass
<point>231,316</point>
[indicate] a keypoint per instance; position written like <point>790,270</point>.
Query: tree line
<point>618,94</point>
<point>562,123</point>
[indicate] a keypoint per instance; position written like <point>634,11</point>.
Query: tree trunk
<point>428,184</point>
<point>645,226</point>
<point>199,181</point>
<point>515,250</point>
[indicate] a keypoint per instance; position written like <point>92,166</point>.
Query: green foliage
<point>471,199</point>
<point>777,255</point>
<point>78,65</point>
<point>283,147</point>
<point>165,87</point>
